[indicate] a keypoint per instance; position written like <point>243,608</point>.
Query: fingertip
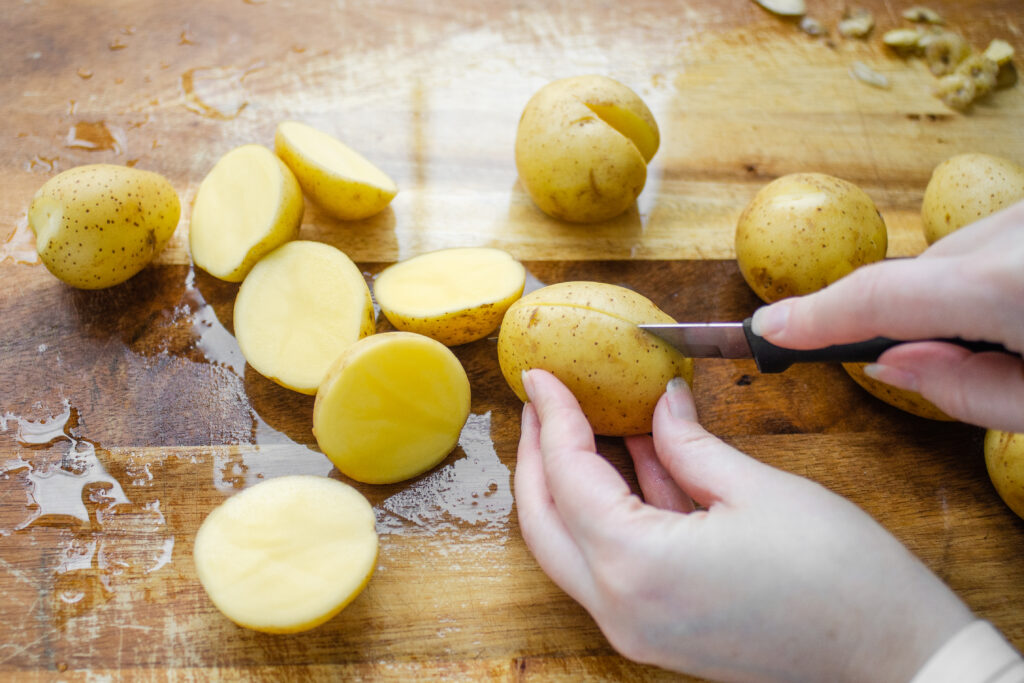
<point>679,399</point>
<point>770,321</point>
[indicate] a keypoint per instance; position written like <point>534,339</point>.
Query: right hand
<point>969,284</point>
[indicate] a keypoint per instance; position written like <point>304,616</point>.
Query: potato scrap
<point>903,40</point>
<point>856,23</point>
<point>982,70</point>
<point>812,27</point>
<point>957,90</point>
<point>865,74</point>
<point>999,51</point>
<point>944,52</point>
<point>785,8</point>
<point>922,15</point>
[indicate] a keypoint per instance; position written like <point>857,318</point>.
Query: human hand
<point>773,577</point>
<point>970,284</point>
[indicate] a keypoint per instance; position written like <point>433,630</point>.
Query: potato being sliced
<point>391,407</point>
<point>298,309</point>
<point>248,205</point>
<point>287,554</point>
<point>453,295</point>
<point>336,177</point>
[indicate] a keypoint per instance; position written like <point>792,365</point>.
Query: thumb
<point>705,468</point>
<point>985,389</point>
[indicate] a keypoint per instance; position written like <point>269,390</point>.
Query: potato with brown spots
<point>804,231</point>
<point>98,225</point>
<point>1004,458</point>
<point>907,401</point>
<point>967,187</point>
<point>586,334</point>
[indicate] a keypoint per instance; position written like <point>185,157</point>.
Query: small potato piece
<point>966,188</point>
<point>856,23</point>
<point>804,231</point>
<point>582,148</point>
<point>908,401</point>
<point>98,225</point>
<point>392,407</point>
<point>586,334</point>
<point>335,177</point>
<point>1004,459</point>
<point>298,309</point>
<point>248,205</point>
<point>453,295</point>
<point>784,8</point>
<point>287,554</point>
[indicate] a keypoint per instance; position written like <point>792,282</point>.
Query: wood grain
<point>127,414</point>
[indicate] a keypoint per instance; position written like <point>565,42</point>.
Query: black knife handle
<point>771,358</point>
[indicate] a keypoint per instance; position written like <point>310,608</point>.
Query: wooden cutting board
<point>127,414</point>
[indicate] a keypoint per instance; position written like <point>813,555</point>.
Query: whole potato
<point>582,148</point>
<point>908,401</point>
<point>100,224</point>
<point>804,231</point>
<point>966,188</point>
<point>586,334</point>
<point>1004,458</point>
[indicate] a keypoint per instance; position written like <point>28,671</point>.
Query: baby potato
<point>582,148</point>
<point>586,334</point>
<point>298,309</point>
<point>454,295</point>
<point>287,554</point>
<point>908,401</point>
<point>248,205</point>
<point>336,177</point>
<point>804,231</point>
<point>100,224</point>
<point>392,407</point>
<point>966,188</point>
<point>1004,459</point>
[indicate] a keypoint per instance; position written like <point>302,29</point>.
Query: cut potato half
<point>298,309</point>
<point>248,205</point>
<point>336,177</point>
<point>287,554</point>
<point>453,295</point>
<point>392,407</point>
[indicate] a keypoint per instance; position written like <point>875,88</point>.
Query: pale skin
<point>729,569</point>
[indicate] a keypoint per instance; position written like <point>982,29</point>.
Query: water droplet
<point>20,245</point>
<point>94,136</point>
<point>216,92</point>
<point>84,74</point>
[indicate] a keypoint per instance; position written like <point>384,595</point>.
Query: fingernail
<point>768,321</point>
<point>901,379</point>
<point>676,391</point>
<point>527,382</point>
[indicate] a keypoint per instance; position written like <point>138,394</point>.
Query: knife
<point>737,340</point>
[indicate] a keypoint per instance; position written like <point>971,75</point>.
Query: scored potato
<point>582,148</point>
<point>454,295</point>
<point>336,177</point>
<point>248,205</point>
<point>298,309</point>
<point>392,407</point>
<point>967,187</point>
<point>804,231</point>
<point>98,225</point>
<point>586,334</point>
<point>287,554</point>
<point>1004,460</point>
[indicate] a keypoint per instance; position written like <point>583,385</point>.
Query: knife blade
<point>737,340</point>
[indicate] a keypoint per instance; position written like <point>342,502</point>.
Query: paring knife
<point>737,340</point>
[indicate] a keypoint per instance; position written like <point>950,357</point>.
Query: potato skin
<point>1004,459</point>
<point>575,166</point>
<point>965,188</point>
<point>908,401</point>
<point>804,231</point>
<point>97,225</point>
<point>585,334</point>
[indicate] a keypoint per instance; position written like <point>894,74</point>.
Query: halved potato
<point>287,554</point>
<point>336,177</point>
<point>298,309</point>
<point>391,407</point>
<point>248,205</point>
<point>453,295</point>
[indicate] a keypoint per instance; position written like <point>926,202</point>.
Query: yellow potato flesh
<point>98,225</point>
<point>299,308</point>
<point>1004,459</point>
<point>804,231</point>
<point>586,334</point>
<point>391,408</point>
<point>966,188</point>
<point>336,177</point>
<point>582,148</point>
<point>454,295</point>
<point>248,205</point>
<point>287,554</point>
